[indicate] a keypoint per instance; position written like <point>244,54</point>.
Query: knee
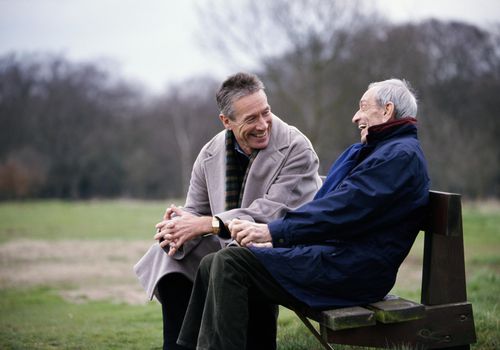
<point>227,260</point>
<point>206,264</point>
<point>173,285</point>
<point>223,262</point>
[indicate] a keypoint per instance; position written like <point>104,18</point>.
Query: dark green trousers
<point>229,283</point>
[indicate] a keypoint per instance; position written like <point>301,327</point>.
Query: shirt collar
<point>238,148</point>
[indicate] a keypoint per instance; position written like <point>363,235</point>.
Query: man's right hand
<point>248,233</point>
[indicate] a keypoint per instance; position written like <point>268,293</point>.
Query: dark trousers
<point>218,314</point>
<point>175,290</point>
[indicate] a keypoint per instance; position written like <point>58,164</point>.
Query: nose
<point>262,123</point>
<point>355,118</point>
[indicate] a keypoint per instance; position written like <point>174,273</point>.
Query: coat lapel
<point>262,173</point>
<point>215,176</point>
<point>267,163</point>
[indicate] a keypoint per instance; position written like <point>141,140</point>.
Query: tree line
<point>75,130</point>
<point>72,130</point>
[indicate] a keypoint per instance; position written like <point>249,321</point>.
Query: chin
<point>260,145</point>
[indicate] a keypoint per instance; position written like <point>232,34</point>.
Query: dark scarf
<point>380,131</point>
<point>236,177</point>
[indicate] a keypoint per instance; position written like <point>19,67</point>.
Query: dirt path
<point>81,270</point>
<point>96,270</point>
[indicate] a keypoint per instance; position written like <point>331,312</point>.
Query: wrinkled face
<point>370,113</point>
<point>252,121</point>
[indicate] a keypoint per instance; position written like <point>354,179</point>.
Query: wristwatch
<point>215,225</point>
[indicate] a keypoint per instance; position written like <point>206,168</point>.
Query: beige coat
<point>283,176</point>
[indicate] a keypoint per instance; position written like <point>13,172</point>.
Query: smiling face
<point>252,121</point>
<point>370,113</point>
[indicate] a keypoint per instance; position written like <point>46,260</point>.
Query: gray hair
<point>234,88</point>
<point>400,93</point>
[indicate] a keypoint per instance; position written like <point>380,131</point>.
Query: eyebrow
<point>268,108</point>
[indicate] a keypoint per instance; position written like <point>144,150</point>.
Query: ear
<point>389,111</point>
<point>225,121</point>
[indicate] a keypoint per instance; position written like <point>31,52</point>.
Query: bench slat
<point>348,317</point>
<point>395,309</point>
<point>445,326</point>
<point>338,319</point>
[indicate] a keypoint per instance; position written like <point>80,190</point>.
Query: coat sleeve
<point>296,182</point>
<point>197,199</point>
<point>357,205</point>
<point>197,202</point>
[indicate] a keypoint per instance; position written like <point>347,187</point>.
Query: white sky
<point>153,41</point>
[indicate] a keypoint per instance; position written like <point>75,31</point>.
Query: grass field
<point>66,279</point>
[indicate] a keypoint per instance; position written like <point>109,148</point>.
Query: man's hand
<point>248,233</point>
<point>180,226</point>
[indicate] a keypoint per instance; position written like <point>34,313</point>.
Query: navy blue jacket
<point>345,246</point>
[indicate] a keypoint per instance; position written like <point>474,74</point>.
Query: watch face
<point>215,225</point>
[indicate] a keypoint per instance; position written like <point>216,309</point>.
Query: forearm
<point>203,225</point>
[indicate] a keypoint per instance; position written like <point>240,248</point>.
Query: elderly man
<point>343,248</point>
<point>257,169</point>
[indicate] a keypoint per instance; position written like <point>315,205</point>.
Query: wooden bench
<point>443,319</point>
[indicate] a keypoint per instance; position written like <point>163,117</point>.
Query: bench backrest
<point>443,271</point>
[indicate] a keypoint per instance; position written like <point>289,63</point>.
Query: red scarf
<point>392,123</point>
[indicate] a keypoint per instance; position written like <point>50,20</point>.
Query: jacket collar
<point>391,129</point>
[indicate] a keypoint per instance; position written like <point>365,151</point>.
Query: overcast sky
<point>153,41</point>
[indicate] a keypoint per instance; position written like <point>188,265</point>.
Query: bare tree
<point>74,130</point>
<point>317,57</point>
<point>192,120</point>
<point>297,47</point>
<point>68,115</point>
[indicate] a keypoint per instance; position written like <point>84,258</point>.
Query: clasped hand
<point>177,227</point>
<point>248,233</point>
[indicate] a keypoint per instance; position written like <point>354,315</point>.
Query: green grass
<point>482,232</point>
<point>484,294</point>
<point>482,249</point>
<point>39,318</point>
<point>88,220</point>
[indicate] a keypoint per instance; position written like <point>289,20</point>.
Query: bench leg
<point>313,330</point>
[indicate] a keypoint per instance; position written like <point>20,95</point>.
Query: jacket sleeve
<point>357,205</point>
<point>295,183</point>
<point>197,203</point>
<point>197,200</point>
